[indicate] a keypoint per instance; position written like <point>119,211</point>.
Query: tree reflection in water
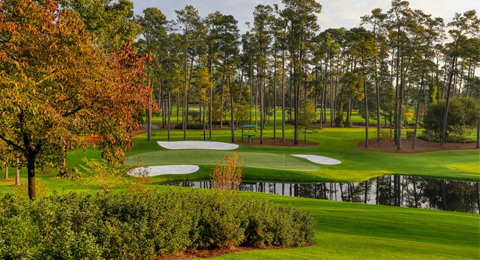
<point>394,190</point>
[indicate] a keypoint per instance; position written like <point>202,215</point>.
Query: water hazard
<point>394,190</point>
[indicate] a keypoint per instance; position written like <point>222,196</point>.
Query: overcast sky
<point>335,13</point>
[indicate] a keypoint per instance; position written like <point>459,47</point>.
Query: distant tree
<point>306,117</point>
<point>154,27</point>
<point>300,17</point>
<point>376,19</point>
<point>262,15</point>
<point>463,115</point>
<point>407,114</point>
<point>464,25</point>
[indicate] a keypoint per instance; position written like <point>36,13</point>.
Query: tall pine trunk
<point>447,102</point>
<point>283,97</point>
<point>232,110</point>
<point>366,112</point>
<point>420,94</point>
<point>275,96</point>
<point>169,114</point>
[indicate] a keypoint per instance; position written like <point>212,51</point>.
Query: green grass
<point>356,118</point>
<point>358,231</point>
<point>268,163</point>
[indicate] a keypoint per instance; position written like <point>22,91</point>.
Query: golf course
<point>344,229</point>
<point>279,129</point>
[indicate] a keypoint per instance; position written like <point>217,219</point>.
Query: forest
<point>392,68</point>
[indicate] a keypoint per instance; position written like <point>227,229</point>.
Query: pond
<point>393,190</point>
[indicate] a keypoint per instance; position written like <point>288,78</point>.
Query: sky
<point>335,13</point>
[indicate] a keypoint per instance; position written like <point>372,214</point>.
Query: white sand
<point>165,169</point>
<point>318,159</point>
<point>202,145</point>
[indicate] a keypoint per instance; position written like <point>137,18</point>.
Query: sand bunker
<point>201,145</point>
<point>318,159</point>
<point>165,169</point>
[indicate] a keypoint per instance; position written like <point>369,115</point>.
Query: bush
<point>227,174</point>
<point>144,225</point>
<point>462,116</point>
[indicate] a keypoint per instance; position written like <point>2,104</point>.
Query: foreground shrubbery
<point>134,226</point>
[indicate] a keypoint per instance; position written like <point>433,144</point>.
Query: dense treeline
<point>393,65</point>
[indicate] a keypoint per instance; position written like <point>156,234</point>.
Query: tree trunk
<point>210,113</point>
<point>290,93</point>
<point>63,168</point>
<point>169,114</point>
<point>400,96</point>
<point>297,106</point>
<point>232,110</point>
<point>275,96</point>
<point>17,172</point>
<point>221,106</point>
<point>378,105</point>
<point>366,113</point>
<point>420,93</point>
<point>178,106</point>
<point>6,171</point>
<point>251,97</point>
<point>447,103</point>
<point>397,76</point>
<point>283,97</point>
<point>261,105</point>
<point>203,121</point>
<point>478,134</point>
<point>332,107</point>
<point>31,176</point>
<point>149,115</point>
<point>256,101</point>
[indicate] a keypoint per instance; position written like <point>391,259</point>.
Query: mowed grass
<point>359,231</point>
<point>270,163</point>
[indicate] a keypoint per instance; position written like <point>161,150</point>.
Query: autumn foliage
<point>227,174</point>
<point>57,88</point>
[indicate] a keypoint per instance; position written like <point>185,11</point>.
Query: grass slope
<point>359,231</point>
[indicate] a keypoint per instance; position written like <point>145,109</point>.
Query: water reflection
<point>394,190</point>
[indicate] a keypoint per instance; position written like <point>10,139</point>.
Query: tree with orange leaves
<point>56,88</point>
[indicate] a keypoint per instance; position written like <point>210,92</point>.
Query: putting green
<point>208,157</point>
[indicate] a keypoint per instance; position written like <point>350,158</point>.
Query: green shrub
<point>143,225</point>
<point>462,116</point>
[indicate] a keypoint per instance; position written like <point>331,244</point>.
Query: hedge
<point>137,226</point>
